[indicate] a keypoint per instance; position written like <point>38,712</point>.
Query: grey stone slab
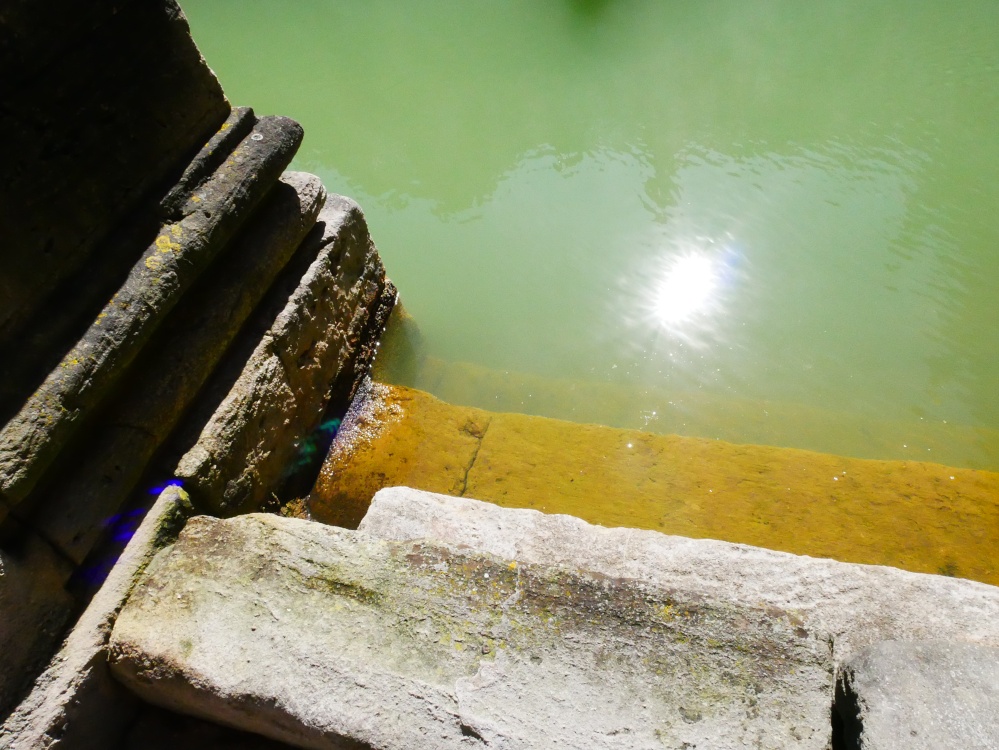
<point>74,703</point>
<point>167,377</point>
<point>34,610</point>
<point>923,695</point>
<point>315,353</point>
<point>320,637</point>
<point>31,440</point>
<point>856,604</point>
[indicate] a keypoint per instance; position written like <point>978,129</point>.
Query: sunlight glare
<point>687,288</point>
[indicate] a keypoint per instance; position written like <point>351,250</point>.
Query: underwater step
<point>918,516</point>
<point>685,409</point>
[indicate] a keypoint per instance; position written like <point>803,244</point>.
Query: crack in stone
<point>475,454</point>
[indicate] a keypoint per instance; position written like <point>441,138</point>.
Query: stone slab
<point>923,517</point>
<point>361,462</point>
<point>31,440</point>
<point>167,377</point>
<point>857,605</point>
<point>316,352</point>
<point>320,637</point>
<point>923,695</point>
<point>75,704</point>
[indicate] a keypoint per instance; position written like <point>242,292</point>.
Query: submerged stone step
<point>320,637</point>
<point>917,516</point>
<point>669,409</point>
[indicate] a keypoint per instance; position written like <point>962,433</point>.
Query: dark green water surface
<point>764,220</point>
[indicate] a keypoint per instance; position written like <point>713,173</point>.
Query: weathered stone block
<point>33,438</point>
<point>319,636</point>
<point>78,299</point>
<point>317,350</point>
<point>925,695</point>
<point>856,604</point>
<point>169,374</point>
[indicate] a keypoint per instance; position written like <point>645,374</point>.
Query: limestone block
<point>320,637</point>
<point>103,103</point>
<point>75,704</point>
<point>177,202</point>
<point>34,609</point>
<point>167,377</point>
<point>315,352</point>
<point>924,695</point>
<point>856,604</point>
<point>31,440</point>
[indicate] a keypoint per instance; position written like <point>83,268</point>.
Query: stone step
<point>913,515</point>
<point>32,440</point>
<point>917,655</point>
<point>322,637</point>
<point>668,408</point>
<point>857,605</point>
<point>72,511</point>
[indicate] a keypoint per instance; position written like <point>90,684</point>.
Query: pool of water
<point>763,209</point>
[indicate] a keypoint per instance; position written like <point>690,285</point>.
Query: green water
<point>764,210</point>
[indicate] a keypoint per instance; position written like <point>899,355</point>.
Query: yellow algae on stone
<point>402,436</point>
<point>914,515</point>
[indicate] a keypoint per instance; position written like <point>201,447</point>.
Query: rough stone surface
<point>78,299</point>
<point>31,440</point>
<point>102,102</point>
<point>316,351</point>
<point>34,608</point>
<point>75,704</point>
<point>918,516</point>
<point>435,455</point>
<point>856,604</point>
<point>925,695</point>
<point>169,374</point>
<point>315,635</point>
<point>175,204</point>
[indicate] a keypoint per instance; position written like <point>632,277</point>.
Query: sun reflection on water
<point>688,289</point>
